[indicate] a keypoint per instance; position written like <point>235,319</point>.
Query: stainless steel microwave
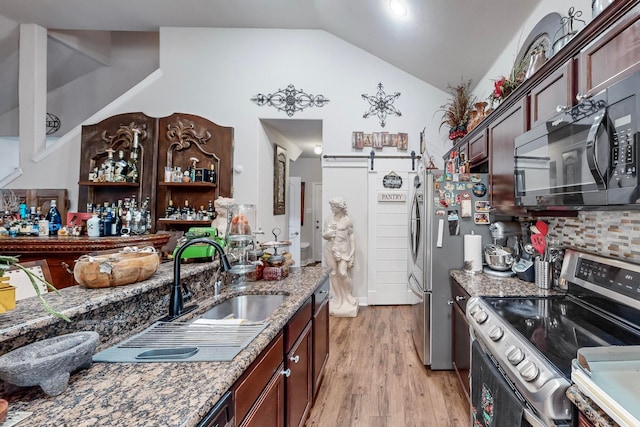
<point>584,157</point>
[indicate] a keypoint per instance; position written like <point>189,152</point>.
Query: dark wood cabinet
<point>583,421</point>
<point>172,141</point>
<point>461,340</point>
<point>320,335</point>
<point>277,389</point>
<point>502,132</point>
<point>478,149</point>
<point>250,389</point>
<point>555,90</point>
<point>612,56</point>
<point>183,137</point>
<point>298,383</point>
<point>268,410</point>
<point>117,133</point>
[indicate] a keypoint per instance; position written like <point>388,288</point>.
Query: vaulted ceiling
<point>438,41</point>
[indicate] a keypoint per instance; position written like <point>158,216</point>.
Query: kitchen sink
<point>254,308</point>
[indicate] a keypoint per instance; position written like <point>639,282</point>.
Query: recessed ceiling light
<point>317,149</point>
<point>398,7</point>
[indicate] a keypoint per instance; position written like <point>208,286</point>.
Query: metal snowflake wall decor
<point>381,105</point>
<point>290,100</point>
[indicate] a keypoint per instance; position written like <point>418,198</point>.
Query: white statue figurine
<point>340,256</point>
<point>220,223</point>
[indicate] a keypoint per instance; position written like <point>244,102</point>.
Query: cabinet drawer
<point>297,324</point>
<point>248,387</point>
<point>320,296</point>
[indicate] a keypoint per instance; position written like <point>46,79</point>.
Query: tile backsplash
<point>609,233</point>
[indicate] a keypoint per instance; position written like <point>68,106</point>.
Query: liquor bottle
<point>212,174</point>
<point>109,167</point>
<point>185,210</point>
<point>54,218</point>
<point>169,212</point>
<point>109,223</point>
<point>132,172</point>
<point>93,225</point>
<point>117,220</point>
<point>210,212</point>
<point>122,168</point>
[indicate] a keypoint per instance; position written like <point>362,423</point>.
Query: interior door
<point>295,204</point>
<point>317,221</point>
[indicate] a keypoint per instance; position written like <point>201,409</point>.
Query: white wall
<point>215,72</point>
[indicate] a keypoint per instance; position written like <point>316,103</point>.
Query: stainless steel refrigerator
<point>444,208</point>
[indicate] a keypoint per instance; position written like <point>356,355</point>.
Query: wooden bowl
<point>115,269</point>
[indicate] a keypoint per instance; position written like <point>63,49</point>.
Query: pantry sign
<point>392,196</point>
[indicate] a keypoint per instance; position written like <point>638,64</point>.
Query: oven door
<point>564,163</point>
<point>494,402</point>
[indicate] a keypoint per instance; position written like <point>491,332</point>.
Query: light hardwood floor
<point>374,377</point>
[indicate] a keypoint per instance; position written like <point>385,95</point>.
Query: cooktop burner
<point>559,326</point>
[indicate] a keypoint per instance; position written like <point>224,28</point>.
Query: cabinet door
<point>478,149</point>
<point>555,90</point>
<point>461,340</point>
<point>269,408</point>
<point>320,345</point>
<point>613,56</point>
<point>248,389</point>
<point>298,383</point>
<point>502,133</point>
<point>461,348</point>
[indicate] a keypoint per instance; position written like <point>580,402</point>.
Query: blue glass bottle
<point>54,218</point>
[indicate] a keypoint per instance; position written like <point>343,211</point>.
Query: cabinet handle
<point>562,108</point>
<point>450,302</point>
<point>581,96</point>
<point>295,359</point>
<point>459,298</point>
<point>286,373</point>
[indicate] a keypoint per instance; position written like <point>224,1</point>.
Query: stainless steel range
<point>532,340</point>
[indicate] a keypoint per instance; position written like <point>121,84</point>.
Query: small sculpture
<point>340,256</point>
<point>220,222</point>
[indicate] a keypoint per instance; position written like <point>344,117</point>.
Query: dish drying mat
<point>178,341</point>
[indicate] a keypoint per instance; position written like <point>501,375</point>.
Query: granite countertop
<point>491,286</point>
<point>589,409</point>
<point>144,394</point>
<point>486,285</point>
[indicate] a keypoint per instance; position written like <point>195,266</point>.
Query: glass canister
<point>241,221</point>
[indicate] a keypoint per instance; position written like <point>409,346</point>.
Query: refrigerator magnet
<point>479,189</point>
<point>465,208</point>
<point>481,218</point>
<point>482,206</point>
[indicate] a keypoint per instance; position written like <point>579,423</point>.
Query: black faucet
<point>176,308</point>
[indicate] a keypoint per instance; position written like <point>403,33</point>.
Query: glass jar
<point>241,221</point>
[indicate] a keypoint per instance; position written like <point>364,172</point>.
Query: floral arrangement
<point>504,86</point>
<point>456,112</point>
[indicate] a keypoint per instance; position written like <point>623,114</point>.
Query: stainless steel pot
<point>499,258</point>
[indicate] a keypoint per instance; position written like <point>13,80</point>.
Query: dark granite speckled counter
<point>486,285</point>
<point>139,394</point>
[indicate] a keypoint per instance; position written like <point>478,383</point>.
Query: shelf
<point>188,184</point>
<point>109,184</point>
<point>183,222</point>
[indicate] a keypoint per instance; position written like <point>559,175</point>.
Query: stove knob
<point>474,308</point>
<point>528,370</point>
<point>514,355</point>
<point>495,333</point>
<point>481,316</point>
